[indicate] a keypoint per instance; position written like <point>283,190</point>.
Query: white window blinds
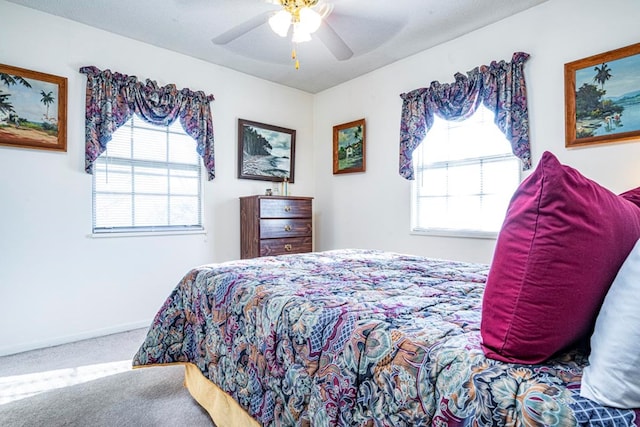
<point>465,177</point>
<point>148,180</point>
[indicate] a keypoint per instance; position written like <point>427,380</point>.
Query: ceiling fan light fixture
<point>280,23</point>
<point>296,13</point>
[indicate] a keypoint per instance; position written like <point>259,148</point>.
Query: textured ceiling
<point>378,32</point>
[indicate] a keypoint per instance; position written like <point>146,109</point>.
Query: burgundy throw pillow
<point>562,243</point>
<point>633,196</point>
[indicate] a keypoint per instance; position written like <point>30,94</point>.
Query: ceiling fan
<point>301,18</point>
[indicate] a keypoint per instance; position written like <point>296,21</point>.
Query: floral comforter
<point>360,338</point>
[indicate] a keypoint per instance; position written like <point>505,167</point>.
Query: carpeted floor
<point>152,396</point>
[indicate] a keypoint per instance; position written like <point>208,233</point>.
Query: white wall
<point>56,283</point>
<point>371,209</point>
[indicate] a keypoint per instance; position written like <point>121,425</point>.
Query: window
<point>465,177</point>
<point>148,180</point>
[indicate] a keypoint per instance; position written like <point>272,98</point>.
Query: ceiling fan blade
<point>334,42</point>
<point>241,29</point>
<point>324,9</point>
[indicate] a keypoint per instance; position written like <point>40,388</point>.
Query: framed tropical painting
<point>602,97</point>
<point>33,109</point>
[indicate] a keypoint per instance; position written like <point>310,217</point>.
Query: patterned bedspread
<point>360,338</point>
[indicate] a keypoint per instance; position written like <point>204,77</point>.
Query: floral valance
<point>113,98</point>
<point>499,86</point>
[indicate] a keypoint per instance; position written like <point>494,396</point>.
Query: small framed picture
<point>349,143</point>
<point>265,152</point>
<point>33,109</point>
<point>602,97</point>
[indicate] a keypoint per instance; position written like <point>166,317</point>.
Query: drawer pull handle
<point>287,247</point>
<point>287,208</point>
<point>287,227</point>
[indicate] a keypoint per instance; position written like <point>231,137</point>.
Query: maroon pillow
<point>562,242</point>
<point>633,196</point>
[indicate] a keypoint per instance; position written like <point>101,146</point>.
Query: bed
<point>358,337</point>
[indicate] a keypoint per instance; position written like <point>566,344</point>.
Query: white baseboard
<point>13,349</point>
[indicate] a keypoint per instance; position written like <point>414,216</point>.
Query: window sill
<point>111,234</point>
<point>468,234</point>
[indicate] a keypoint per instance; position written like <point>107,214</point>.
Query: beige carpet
<point>99,393</point>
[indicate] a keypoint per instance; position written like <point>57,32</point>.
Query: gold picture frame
<point>33,109</point>
<point>602,98</point>
<point>349,147</point>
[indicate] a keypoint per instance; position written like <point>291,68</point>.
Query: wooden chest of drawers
<point>275,225</point>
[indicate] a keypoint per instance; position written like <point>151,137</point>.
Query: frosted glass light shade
<point>310,20</point>
<point>280,22</point>
<point>300,34</point>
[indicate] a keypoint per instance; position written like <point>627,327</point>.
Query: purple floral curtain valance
<point>113,98</point>
<point>499,86</point>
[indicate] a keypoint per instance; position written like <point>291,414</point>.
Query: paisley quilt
<point>360,338</point>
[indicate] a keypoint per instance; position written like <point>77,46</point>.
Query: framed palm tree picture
<point>33,109</point>
<point>602,98</point>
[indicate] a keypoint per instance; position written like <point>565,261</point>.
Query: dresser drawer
<point>285,208</point>
<point>283,228</point>
<point>294,245</point>
<point>275,225</point>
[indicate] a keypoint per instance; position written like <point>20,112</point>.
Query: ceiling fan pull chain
<point>294,56</point>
